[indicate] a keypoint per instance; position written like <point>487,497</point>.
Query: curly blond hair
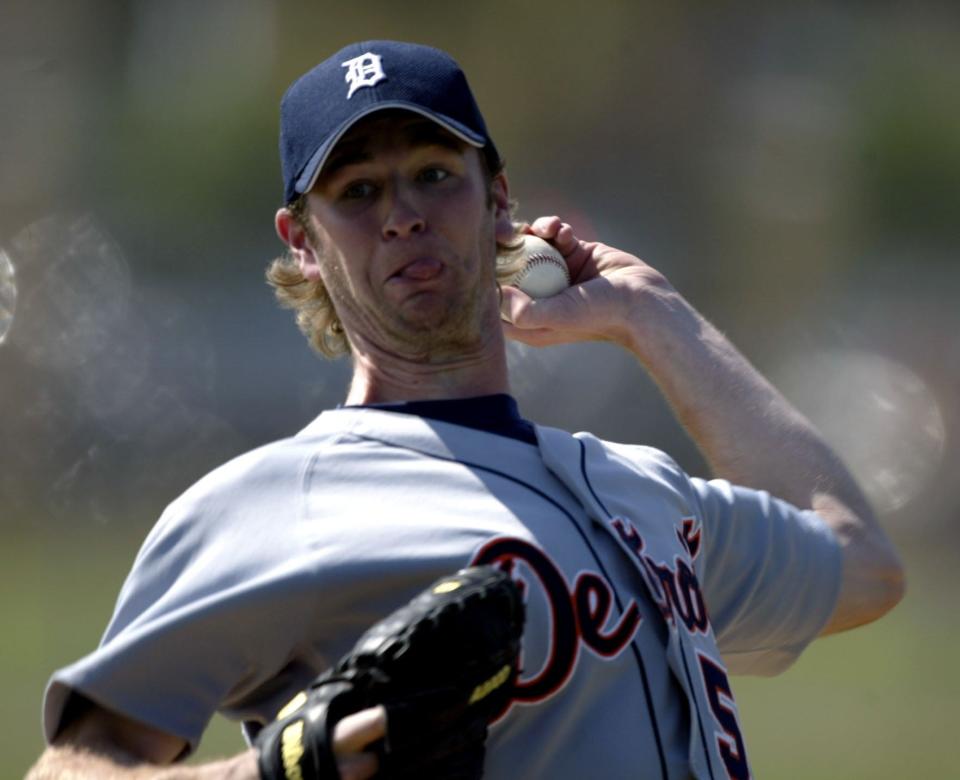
<point>308,298</point>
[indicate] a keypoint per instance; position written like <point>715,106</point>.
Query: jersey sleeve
<point>770,575</point>
<point>198,625</point>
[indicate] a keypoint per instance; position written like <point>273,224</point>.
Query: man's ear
<point>294,235</point>
<point>500,194</point>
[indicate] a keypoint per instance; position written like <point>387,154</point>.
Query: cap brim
<point>308,177</point>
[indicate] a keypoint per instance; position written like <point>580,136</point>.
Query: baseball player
<point>645,588</point>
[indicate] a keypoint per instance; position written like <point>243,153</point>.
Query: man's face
<point>406,223</point>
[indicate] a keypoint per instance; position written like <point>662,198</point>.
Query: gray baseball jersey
<point>644,587</point>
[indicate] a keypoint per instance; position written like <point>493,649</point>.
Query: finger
<point>536,337</point>
<point>357,730</point>
<point>556,231</point>
<point>358,766</point>
<point>565,240</point>
<point>580,261</point>
<point>531,321</point>
<point>514,304</point>
<point>546,227</point>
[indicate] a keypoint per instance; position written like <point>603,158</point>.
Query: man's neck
<point>392,380</point>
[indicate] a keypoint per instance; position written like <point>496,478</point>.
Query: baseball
<point>544,272</point>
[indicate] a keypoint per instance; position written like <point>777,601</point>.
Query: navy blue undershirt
<point>497,413</point>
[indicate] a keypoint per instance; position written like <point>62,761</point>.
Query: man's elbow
<point>873,583</point>
<point>890,582</point>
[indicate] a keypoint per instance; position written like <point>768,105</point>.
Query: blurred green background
<point>793,168</point>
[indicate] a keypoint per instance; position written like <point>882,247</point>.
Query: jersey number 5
<point>730,742</point>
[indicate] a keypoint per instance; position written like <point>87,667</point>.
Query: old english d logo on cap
<point>363,71</point>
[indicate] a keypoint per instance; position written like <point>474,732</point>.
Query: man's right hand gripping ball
<point>444,666</point>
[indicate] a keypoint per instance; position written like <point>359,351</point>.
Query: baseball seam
<point>534,260</point>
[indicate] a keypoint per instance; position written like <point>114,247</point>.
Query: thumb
<point>522,311</point>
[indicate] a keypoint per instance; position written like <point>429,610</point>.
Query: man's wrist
<point>244,766</point>
<point>659,323</point>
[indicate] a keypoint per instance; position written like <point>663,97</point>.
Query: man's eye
<point>433,175</point>
<point>358,190</point>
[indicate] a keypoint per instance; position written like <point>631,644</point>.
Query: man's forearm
<point>67,762</point>
<point>748,432</point>
<point>752,436</point>
<point>103,744</point>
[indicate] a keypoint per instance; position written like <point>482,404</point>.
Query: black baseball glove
<point>443,666</point>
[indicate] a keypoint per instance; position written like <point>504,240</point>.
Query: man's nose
<point>403,215</point>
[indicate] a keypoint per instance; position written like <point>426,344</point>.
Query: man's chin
<point>441,344</point>
<point>432,316</point>
<point>426,313</point>
<point>431,339</point>
<point>436,327</point>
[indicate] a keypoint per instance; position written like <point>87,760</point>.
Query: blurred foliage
<point>910,143</point>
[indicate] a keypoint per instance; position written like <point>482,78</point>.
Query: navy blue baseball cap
<point>360,79</point>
